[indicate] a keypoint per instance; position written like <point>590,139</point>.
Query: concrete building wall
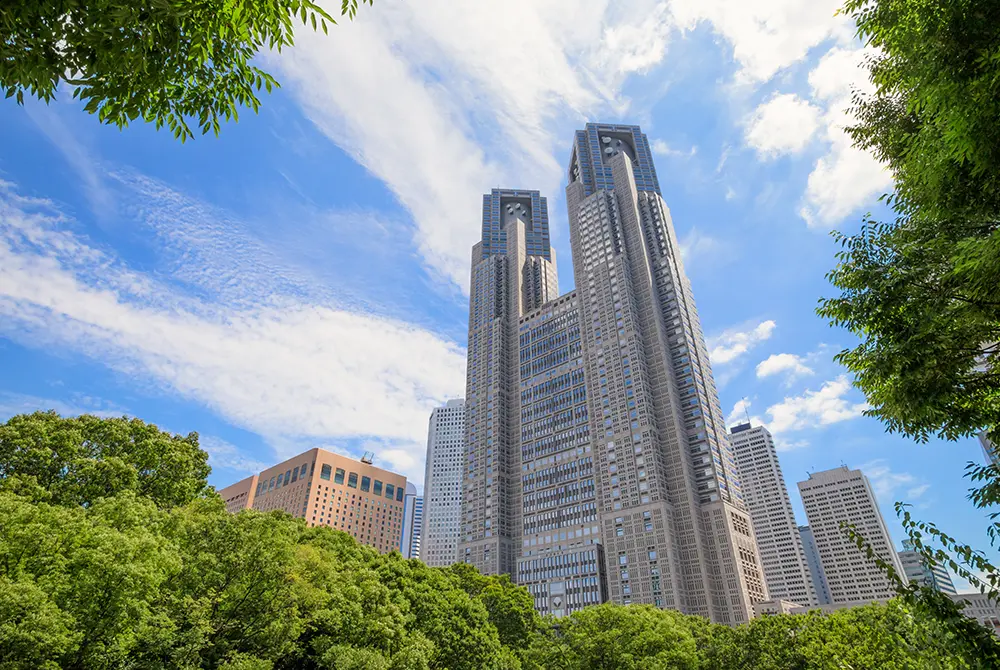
<point>815,566</point>
<point>328,489</point>
<point>239,495</point>
<point>846,496</point>
<point>442,499</point>
<point>782,556</point>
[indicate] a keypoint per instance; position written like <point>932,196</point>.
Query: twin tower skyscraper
<point>596,463</point>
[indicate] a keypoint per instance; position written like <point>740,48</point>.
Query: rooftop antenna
<point>368,457</point>
<point>746,409</point>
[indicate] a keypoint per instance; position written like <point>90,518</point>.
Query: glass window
<point>366,483</point>
<point>277,484</point>
<point>399,494</point>
<point>352,480</point>
<point>324,473</point>
<point>377,490</point>
<point>288,477</point>
<point>338,478</point>
<point>270,484</point>
<point>303,470</point>
<point>295,475</point>
<point>390,490</point>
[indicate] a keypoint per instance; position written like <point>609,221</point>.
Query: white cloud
<point>845,178</point>
<point>222,454</point>
<point>661,148</point>
<point>283,366</point>
<point>696,243</point>
<point>815,408</point>
<point>731,344</point>
<point>767,35</point>
<point>443,101</point>
<point>783,124</point>
<point>17,403</point>
<point>740,412</point>
<point>790,365</point>
<point>888,482</point>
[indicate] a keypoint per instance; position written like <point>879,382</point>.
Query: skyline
<point>199,278</point>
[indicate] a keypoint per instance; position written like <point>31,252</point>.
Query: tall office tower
<point>328,489</point>
<point>989,449</point>
<point>413,522</point>
<point>786,571</point>
<point>443,485</point>
<point>916,569</point>
<point>597,460</point>
<point>815,566</point>
<point>846,496</point>
<point>674,526</point>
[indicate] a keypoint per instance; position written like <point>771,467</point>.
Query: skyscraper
<point>597,462</point>
<point>915,568</point>
<point>846,496</point>
<point>442,509</point>
<point>413,521</point>
<point>781,554</point>
<point>989,449</point>
<point>815,566</point>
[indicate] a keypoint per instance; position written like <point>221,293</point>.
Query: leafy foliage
<point>77,461</point>
<point>923,290</point>
<point>170,62</point>
<point>151,572</point>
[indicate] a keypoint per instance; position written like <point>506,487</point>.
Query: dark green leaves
<point>172,64</point>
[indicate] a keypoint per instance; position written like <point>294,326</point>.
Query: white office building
<point>815,567</point>
<point>837,496</point>
<point>442,500</point>
<point>786,571</point>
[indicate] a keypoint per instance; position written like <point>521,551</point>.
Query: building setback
<point>786,571</point>
<point>328,489</point>
<point>846,496</point>
<point>443,485</point>
<point>915,568</point>
<point>413,520</point>
<point>815,566</point>
<point>597,464</point>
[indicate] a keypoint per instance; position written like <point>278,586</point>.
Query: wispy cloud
<point>286,364</point>
<point>734,342</point>
<point>888,482</point>
<point>813,409</point>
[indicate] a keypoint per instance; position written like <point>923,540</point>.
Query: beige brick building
<point>328,489</point>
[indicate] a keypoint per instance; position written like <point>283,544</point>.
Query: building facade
<point>597,463</point>
<point>442,499</point>
<point>989,449</point>
<point>413,521</point>
<point>239,495</point>
<point>815,566</point>
<point>916,569</point>
<point>844,496</point>
<point>328,489</point>
<point>786,571</point>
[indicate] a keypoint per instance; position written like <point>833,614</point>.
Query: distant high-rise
<point>597,463</point>
<point>815,566</point>
<point>442,499</point>
<point>413,520</point>
<point>837,496</point>
<point>785,569</point>
<point>328,489</point>
<point>915,568</point>
<point>989,449</point>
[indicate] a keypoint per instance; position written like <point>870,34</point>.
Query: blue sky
<point>301,280</point>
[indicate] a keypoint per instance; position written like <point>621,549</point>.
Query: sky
<point>302,280</point>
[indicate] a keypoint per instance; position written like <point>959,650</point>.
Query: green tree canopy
<point>76,461</point>
<point>172,63</point>
<point>922,291</point>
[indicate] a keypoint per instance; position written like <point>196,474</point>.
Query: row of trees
<point>115,553</point>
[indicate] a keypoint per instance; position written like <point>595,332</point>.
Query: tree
<point>170,63</point>
<point>78,460</point>
<point>922,291</point>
